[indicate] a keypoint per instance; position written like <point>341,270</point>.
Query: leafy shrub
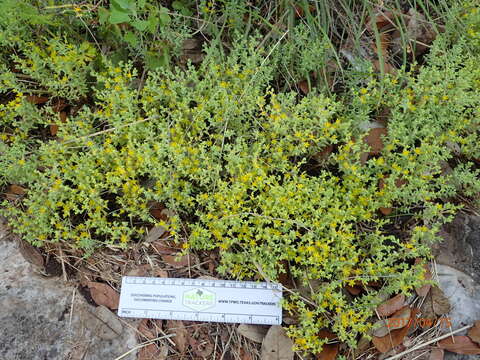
<point>278,183</point>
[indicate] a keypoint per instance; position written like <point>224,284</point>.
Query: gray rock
<point>45,318</point>
<point>458,258</point>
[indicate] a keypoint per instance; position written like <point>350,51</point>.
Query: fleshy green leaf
<point>118,17</point>
<point>153,22</point>
<point>140,25</point>
<point>131,38</point>
<point>124,4</point>
<point>103,15</point>
<point>165,18</point>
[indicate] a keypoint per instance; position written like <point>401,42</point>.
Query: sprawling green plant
<point>280,184</point>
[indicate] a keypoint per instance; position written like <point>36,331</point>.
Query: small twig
<point>398,356</point>
<point>64,271</point>
<point>71,308</point>
<point>225,348</point>
<point>109,130</point>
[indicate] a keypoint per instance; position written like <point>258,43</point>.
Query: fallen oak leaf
<point>163,247</point>
<point>103,294</point>
<point>53,129</point>
<point>436,354</point>
<point>203,346</point>
<point>474,332</point>
<point>178,261</point>
<point>353,290</point>
<point>423,290</point>
<point>460,344</point>
<point>380,328</point>
<point>381,20</point>
<point>153,352</point>
<point>394,338</point>
<point>277,345</point>
<point>374,139</point>
<point>440,303</point>
<point>34,99</point>
<point>303,86</point>
<point>181,335</point>
<point>255,333</point>
<point>392,305</point>
<point>145,330</point>
<point>244,355</point>
<point>30,253</point>
<point>400,319</point>
<point>323,154</point>
<point>329,351</point>
<point>420,32</point>
<point>17,189</point>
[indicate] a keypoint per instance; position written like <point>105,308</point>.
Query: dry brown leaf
<point>440,303</point>
<point>59,105</point>
<point>353,290</point>
<point>374,139</point>
<point>181,335</point>
<point>203,347</point>
<point>391,305</point>
<point>303,86</point>
<point>323,154</point>
<point>140,270</point>
<point>381,328</point>
<point>191,44</point>
<point>163,247</point>
<point>385,211</point>
<point>34,99</point>
<point>284,276</point>
<point>381,20</point>
<point>17,189</point>
<point>103,294</point>
<point>329,351</point>
<point>110,327</point>
<point>153,352</point>
<point>460,345</point>
<point>388,342</point>
<point>145,330</point>
<point>387,67</point>
<point>160,273</point>
<point>31,254</point>
<point>255,333</point>
<point>400,319</point>
<point>420,32</point>
<point>156,209</point>
<point>362,345</point>
<point>277,345</point>
<point>424,290</point>
<point>63,116</point>
<point>474,332</point>
<point>155,233</point>
<point>436,354</point>
<point>53,129</point>
<point>178,261</point>
<point>244,355</point>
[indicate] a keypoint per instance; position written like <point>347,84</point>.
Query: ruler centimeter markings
<point>227,301</point>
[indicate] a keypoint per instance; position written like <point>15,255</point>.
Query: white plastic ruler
<point>245,302</point>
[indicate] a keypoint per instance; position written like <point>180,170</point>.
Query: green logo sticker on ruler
<point>198,299</point>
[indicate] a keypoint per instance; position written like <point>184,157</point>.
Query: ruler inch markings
<point>228,301</point>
